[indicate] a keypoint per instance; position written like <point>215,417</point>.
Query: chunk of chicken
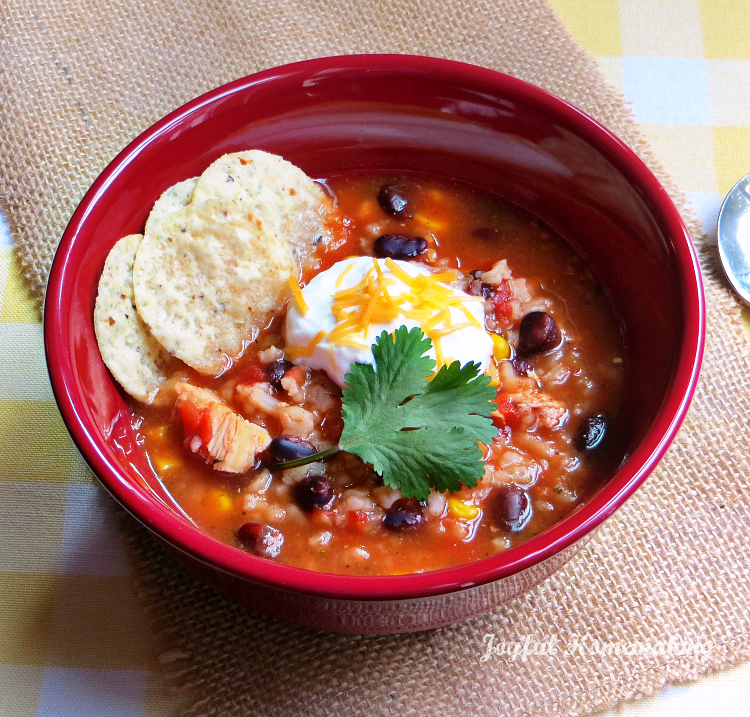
<point>295,420</point>
<point>215,433</point>
<point>528,409</point>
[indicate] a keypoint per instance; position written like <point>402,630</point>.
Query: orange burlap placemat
<point>79,80</point>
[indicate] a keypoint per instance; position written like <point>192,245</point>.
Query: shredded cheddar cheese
<point>340,280</point>
<point>297,291</point>
<point>295,352</point>
<point>426,301</point>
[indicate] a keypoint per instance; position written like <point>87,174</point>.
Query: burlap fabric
<point>79,80</point>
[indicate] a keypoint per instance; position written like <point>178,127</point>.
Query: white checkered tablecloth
<point>73,639</point>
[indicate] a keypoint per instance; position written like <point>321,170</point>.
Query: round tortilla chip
<point>174,199</point>
<point>207,279</point>
<point>134,357</point>
<point>275,192</point>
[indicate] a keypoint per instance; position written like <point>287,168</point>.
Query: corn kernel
<point>167,463</point>
<point>158,432</point>
<point>458,509</point>
<point>493,374</point>
<point>429,223</point>
<point>501,349</point>
<point>221,501</point>
<point>297,292</point>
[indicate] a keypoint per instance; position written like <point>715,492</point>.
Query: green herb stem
<point>319,456</point>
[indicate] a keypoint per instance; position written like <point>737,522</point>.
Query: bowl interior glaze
<point>337,115</point>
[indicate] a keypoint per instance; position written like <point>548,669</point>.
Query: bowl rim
<point>417,585</point>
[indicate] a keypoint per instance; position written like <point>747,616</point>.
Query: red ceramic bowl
<point>339,114</point>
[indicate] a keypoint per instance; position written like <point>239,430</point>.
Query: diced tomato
<point>507,413</point>
<point>501,302</point>
<point>502,292</point>
<point>298,374</point>
<point>253,373</point>
<point>357,520</point>
<point>205,428</point>
<point>503,310</point>
<point>191,417</point>
<point>196,422</point>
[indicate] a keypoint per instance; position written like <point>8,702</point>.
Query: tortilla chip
<point>134,357</point>
<point>207,279</point>
<point>275,192</point>
<point>174,199</point>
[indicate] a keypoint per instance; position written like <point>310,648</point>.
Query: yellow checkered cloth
<point>73,640</point>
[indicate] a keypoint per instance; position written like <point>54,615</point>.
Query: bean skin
<point>477,288</point>
<point>521,367</point>
<point>289,448</point>
<point>393,202</point>
<point>591,433</point>
<point>404,515</point>
<point>313,492</point>
<point>474,287</point>
<point>261,540</point>
<point>511,508</point>
<point>537,334</point>
<point>276,370</point>
<point>399,246</point>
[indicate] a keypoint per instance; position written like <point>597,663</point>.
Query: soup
<point>556,362</point>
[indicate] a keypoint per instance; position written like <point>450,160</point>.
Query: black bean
<point>537,334</point>
<point>289,448</point>
<point>261,540</point>
<point>477,287</point>
<point>474,287</point>
<point>399,246</point>
<point>521,366</point>
<point>276,370</point>
<point>393,201</point>
<point>511,508</point>
<point>591,433</point>
<point>313,492</point>
<point>404,514</point>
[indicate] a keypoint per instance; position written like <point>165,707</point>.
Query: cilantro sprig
<point>417,433</point>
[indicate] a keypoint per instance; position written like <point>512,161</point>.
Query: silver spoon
<point>733,234</point>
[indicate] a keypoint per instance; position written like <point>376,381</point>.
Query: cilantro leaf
<point>417,433</point>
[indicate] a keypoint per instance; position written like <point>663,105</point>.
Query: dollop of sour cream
<point>343,309</point>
